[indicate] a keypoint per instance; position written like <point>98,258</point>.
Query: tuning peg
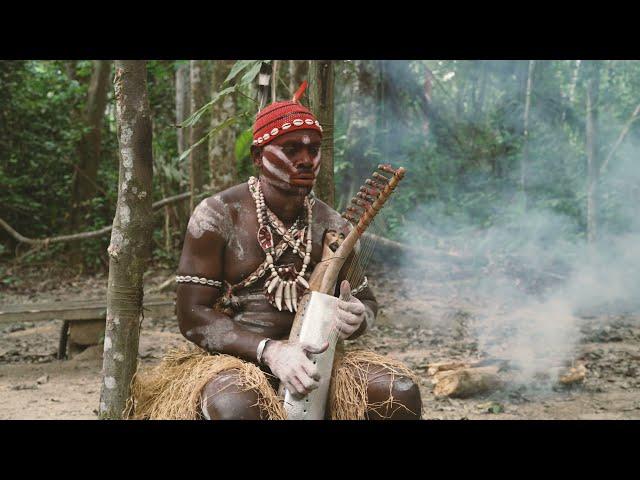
<point>362,203</point>
<point>365,197</point>
<point>349,216</point>
<point>380,177</point>
<point>377,185</point>
<point>370,191</point>
<point>387,168</point>
<point>353,210</point>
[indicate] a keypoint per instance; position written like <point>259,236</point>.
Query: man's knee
<point>223,399</point>
<point>393,397</point>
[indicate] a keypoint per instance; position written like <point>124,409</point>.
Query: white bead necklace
<point>285,284</point>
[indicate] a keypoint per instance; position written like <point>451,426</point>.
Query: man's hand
<point>290,363</point>
<point>350,313</point>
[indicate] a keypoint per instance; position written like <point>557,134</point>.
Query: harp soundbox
<point>314,320</point>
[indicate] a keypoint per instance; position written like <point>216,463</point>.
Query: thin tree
<point>88,149</point>
<point>222,161</point>
<point>593,167</point>
<point>198,154</point>
<point>182,104</point>
<point>130,245</point>
<point>525,133</point>
<point>321,102</point>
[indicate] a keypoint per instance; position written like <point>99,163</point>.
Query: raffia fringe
<point>172,389</point>
<point>348,399</point>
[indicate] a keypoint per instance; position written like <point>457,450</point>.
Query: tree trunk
<point>130,246</point>
<point>321,102</point>
<point>362,119</point>
<point>182,104</point>
<point>222,161</point>
<point>593,168</point>
<point>198,155</point>
<point>88,150</point>
<point>298,70</point>
<point>525,133</point>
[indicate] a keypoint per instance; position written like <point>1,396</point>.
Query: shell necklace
<point>285,285</point>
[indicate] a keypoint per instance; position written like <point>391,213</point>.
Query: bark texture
<point>222,161</point>
<point>321,100</point>
<point>198,155</point>
<point>130,245</point>
<point>88,150</point>
<point>298,70</point>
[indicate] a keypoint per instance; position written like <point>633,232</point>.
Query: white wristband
<point>260,349</point>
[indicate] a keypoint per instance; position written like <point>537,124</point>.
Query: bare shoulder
<point>329,218</point>
<point>217,213</point>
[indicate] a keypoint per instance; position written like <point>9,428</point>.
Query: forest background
<point>485,142</point>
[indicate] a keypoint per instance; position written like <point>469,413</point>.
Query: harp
<point>314,320</point>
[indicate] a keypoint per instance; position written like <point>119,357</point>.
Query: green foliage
<point>463,149</point>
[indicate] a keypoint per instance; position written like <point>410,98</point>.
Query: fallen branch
<point>95,233</point>
<point>402,247</point>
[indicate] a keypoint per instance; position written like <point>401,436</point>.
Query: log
<point>444,366</point>
<point>79,310</point>
<point>466,382</point>
<point>573,375</point>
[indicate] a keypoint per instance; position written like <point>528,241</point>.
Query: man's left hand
<point>350,312</point>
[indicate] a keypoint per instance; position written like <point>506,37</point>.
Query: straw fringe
<point>348,399</point>
<point>171,390</point>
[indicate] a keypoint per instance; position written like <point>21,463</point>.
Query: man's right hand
<point>289,362</point>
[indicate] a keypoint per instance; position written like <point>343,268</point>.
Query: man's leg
<point>392,396</point>
<point>224,399</point>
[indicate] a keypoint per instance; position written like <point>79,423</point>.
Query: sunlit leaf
<point>214,131</point>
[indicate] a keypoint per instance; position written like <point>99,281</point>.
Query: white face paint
<point>275,171</point>
<point>316,164</point>
<point>277,151</point>
<point>306,140</point>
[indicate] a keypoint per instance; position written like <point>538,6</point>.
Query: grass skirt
<point>172,389</point>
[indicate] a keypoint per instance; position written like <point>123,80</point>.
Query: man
<point>247,256</point>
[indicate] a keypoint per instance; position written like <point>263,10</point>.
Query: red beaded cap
<point>284,117</point>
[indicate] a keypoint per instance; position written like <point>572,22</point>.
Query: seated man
<point>247,257</point>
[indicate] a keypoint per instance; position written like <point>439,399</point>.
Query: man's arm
<point>203,256</point>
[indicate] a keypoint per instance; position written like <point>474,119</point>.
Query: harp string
<point>356,265</point>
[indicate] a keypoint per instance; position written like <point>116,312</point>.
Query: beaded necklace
<point>285,285</point>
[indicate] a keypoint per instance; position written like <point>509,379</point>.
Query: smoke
<point>529,274</point>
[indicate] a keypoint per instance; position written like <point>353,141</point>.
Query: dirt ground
<point>412,326</point>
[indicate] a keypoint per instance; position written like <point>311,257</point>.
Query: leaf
<point>237,68</point>
<point>251,74</point>
<point>243,144</point>
<point>193,119</point>
<point>226,123</point>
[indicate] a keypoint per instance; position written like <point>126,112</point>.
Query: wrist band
<point>260,349</point>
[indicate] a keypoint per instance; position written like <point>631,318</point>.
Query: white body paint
<point>215,336</point>
<point>206,219</point>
